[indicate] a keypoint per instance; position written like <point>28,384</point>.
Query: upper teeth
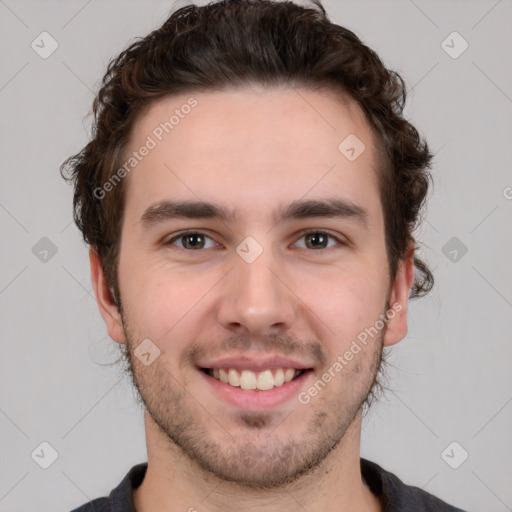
<point>248,379</point>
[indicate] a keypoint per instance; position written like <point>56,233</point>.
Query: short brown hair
<point>236,43</point>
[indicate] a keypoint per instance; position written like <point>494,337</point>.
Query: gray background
<point>450,379</point>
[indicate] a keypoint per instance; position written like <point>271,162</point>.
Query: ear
<point>401,288</point>
<point>104,298</point>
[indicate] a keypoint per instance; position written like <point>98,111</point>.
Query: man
<point>249,196</point>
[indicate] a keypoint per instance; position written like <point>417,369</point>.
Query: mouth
<point>257,391</point>
<point>254,381</point>
<point>248,380</point>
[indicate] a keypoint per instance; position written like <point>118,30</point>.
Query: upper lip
<point>254,363</point>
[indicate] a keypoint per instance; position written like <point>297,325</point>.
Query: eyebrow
<point>300,209</point>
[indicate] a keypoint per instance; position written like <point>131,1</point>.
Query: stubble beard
<point>261,454</point>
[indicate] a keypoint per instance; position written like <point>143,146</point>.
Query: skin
<point>251,150</point>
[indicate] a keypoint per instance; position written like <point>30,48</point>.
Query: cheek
<point>347,302</point>
<point>164,303</point>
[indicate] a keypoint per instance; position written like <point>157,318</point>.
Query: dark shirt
<point>393,493</point>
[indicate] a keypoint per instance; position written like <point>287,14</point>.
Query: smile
<point>249,380</point>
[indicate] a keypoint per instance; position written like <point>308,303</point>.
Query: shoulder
<point>97,505</point>
<point>120,498</point>
<point>396,496</point>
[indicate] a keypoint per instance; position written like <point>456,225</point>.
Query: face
<point>287,279</point>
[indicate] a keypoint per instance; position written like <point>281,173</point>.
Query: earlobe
<point>104,298</point>
<point>397,324</point>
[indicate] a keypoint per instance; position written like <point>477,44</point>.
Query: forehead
<point>252,146</point>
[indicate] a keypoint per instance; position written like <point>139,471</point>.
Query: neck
<point>173,482</point>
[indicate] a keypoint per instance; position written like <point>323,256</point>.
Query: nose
<point>256,298</point>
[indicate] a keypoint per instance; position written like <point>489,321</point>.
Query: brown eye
<point>319,240</point>
<point>191,241</point>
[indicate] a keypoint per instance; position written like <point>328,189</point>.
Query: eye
<point>319,240</point>
<point>196,240</point>
<point>191,240</point>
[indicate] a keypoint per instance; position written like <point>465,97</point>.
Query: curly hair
<point>239,43</point>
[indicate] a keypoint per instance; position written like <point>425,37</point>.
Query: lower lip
<point>255,400</point>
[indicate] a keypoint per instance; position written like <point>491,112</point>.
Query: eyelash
<point>302,234</point>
